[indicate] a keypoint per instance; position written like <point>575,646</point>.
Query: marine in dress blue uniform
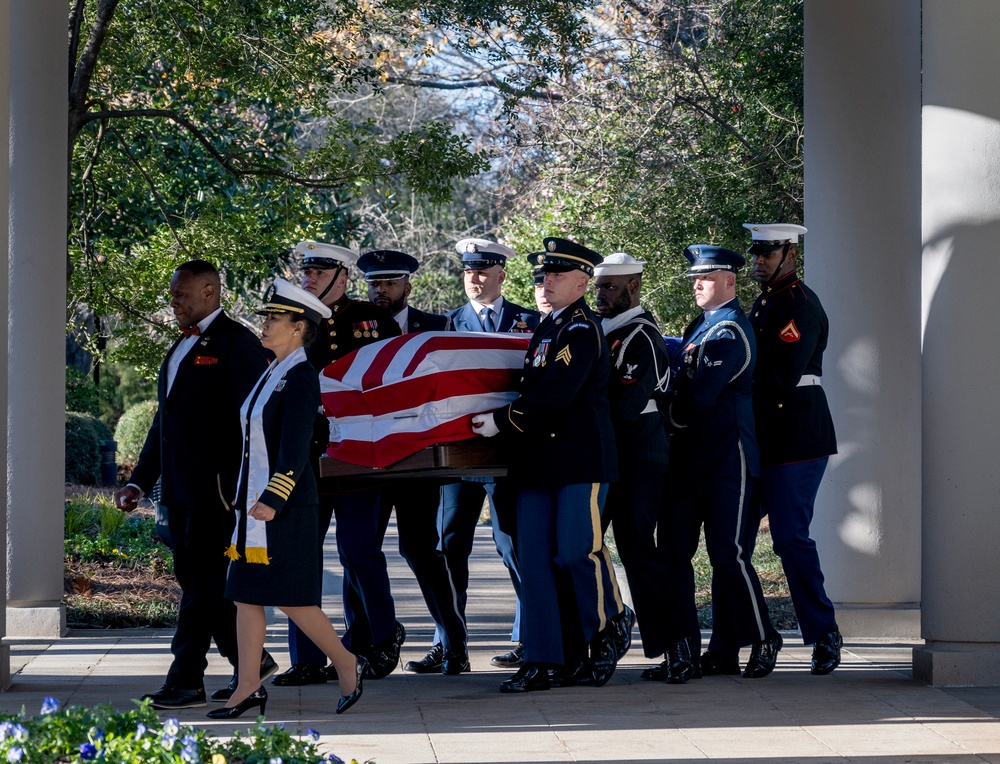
<point>483,263</point>
<point>794,426</point>
<point>559,444</point>
<point>416,501</point>
<point>714,463</point>
<point>369,610</point>
<point>640,374</point>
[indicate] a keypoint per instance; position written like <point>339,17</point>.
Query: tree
<point>206,128</point>
<point>670,122</point>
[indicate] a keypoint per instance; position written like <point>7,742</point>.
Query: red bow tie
<point>190,331</point>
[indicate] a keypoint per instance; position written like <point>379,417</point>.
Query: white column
<point>37,317</point>
<point>862,256</point>
<point>4,241</point>
<point>961,234</point>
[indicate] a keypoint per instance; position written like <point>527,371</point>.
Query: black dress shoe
<point>528,678</point>
<point>763,657</point>
<point>826,653</point>
<point>268,668</point>
<point>455,663</point>
<point>170,696</point>
<point>677,667</point>
<point>430,663</point>
<point>346,701</point>
<point>383,661</point>
<point>509,660</point>
<point>300,674</point>
<point>257,698</point>
<point>603,657</point>
<point>713,664</point>
<point>624,623</point>
<point>582,675</point>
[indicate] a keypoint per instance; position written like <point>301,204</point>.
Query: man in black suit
<point>483,263</point>
<point>416,501</point>
<point>194,447</point>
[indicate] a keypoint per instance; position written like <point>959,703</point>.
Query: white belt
<point>807,380</point>
<point>650,407</point>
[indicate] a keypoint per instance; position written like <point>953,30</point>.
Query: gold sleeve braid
<point>281,485</point>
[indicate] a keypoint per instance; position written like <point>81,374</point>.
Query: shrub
<point>84,435</point>
<point>81,392</point>
<point>131,432</point>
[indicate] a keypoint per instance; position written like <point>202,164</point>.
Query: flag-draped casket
<point>390,399</point>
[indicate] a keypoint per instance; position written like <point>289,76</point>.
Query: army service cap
<point>478,254</point>
<point>768,236</point>
<point>619,264</point>
<point>563,255</point>
<point>387,265</point>
<point>283,297</point>
<point>317,254</point>
<point>707,258</point>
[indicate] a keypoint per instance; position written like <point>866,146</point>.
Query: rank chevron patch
<point>564,355</point>
<point>790,332</point>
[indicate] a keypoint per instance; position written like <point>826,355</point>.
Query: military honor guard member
<point>193,447</point>
<point>794,427</point>
<point>416,501</point>
<point>372,628</point>
<point>273,553</point>
<point>388,275</point>
<point>483,263</point>
<point>714,464</point>
<point>640,374</point>
<point>559,444</point>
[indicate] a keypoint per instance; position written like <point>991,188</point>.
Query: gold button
<point>781,405</point>
<point>525,361</point>
<point>552,435</point>
<point>333,346</point>
<point>763,302</point>
<point>333,334</point>
<point>247,453</point>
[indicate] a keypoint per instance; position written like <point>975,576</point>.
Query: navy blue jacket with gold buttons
<point>558,431</point>
<point>353,324</point>
<point>792,414</point>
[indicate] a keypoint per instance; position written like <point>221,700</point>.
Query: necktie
<point>190,331</point>
<point>488,325</point>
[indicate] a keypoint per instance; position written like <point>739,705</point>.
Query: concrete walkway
<point>869,710</point>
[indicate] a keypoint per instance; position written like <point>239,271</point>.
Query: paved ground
<point>870,710</point>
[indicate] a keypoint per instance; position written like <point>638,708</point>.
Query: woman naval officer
<point>274,547</point>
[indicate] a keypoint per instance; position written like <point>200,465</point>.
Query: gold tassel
<point>231,553</point>
<point>258,555</point>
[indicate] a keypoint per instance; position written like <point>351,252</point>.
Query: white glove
<point>484,425</point>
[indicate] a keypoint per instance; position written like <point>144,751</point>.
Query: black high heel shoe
<point>346,701</point>
<point>253,700</point>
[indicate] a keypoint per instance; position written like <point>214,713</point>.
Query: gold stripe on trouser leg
<point>599,553</point>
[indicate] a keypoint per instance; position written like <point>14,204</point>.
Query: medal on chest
<point>541,353</point>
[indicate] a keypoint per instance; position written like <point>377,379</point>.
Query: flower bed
<point>101,734</point>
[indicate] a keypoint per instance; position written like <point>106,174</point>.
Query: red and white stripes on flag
<point>390,399</point>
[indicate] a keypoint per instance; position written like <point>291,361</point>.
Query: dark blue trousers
<point>570,590</point>
<point>787,495</point>
<point>719,497</point>
<point>369,612</point>
<point>635,506</point>
<point>416,504</point>
<point>458,515</point>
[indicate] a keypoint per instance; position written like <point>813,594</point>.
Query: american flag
<point>390,399</point>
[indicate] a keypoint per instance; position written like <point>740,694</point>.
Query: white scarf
<point>610,324</point>
<point>259,472</point>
